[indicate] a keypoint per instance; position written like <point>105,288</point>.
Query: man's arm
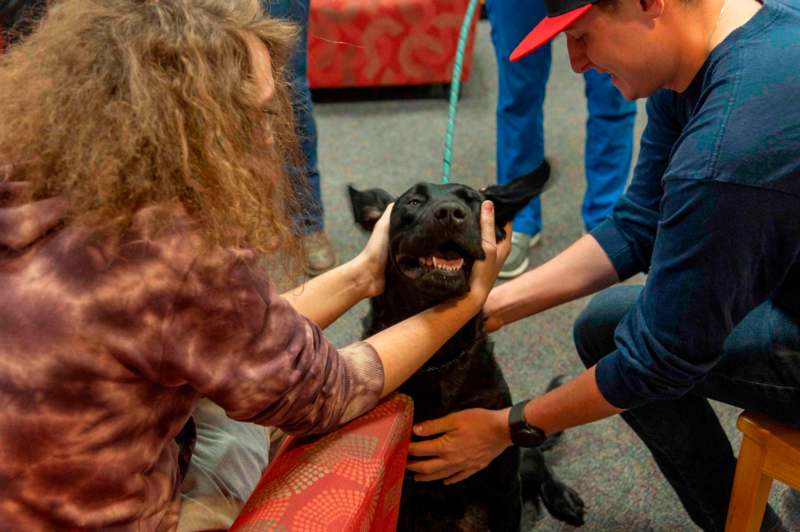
<point>582,269</point>
<point>618,248</point>
<point>485,433</point>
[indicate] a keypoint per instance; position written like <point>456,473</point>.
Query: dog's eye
<point>413,202</point>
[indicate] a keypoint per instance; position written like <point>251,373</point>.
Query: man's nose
<point>450,212</point>
<point>578,59</point>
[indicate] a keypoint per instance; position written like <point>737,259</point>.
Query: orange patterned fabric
<point>349,480</point>
<point>385,42</point>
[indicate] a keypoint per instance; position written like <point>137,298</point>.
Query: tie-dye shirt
<point>106,345</point>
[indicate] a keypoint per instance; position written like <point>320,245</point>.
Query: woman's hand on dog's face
<point>484,272</point>
<point>374,256</point>
<point>496,254</point>
<point>469,440</point>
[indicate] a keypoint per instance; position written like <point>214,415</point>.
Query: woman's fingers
<point>484,272</point>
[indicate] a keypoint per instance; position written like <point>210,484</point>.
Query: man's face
<point>622,42</point>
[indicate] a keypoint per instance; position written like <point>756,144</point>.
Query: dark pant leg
<point>759,370</point>
<point>306,180</point>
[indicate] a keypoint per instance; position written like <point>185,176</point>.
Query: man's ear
<point>368,205</point>
<point>508,199</point>
<point>651,9</point>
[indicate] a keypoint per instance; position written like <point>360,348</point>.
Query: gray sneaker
<point>518,261</point>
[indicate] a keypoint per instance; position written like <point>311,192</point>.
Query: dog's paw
<point>563,503</point>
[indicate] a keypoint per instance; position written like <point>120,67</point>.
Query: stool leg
<point>750,489</point>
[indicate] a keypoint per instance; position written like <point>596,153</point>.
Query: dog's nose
<point>450,212</point>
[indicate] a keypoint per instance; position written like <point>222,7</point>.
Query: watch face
<point>528,437</point>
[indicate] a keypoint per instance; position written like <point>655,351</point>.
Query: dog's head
<point>434,230</point>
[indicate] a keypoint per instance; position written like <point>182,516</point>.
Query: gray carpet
<point>395,143</point>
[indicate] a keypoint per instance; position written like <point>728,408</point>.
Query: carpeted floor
<point>396,142</point>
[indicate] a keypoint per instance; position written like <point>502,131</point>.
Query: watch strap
<point>516,417</point>
<point>523,434</point>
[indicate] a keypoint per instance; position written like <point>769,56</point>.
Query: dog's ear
<point>508,199</point>
<point>368,205</point>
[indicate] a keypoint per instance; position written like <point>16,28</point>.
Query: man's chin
<point>626,90</point>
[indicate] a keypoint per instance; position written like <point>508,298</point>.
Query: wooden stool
<point>770,450</point>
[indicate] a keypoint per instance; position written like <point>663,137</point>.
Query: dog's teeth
<point>446,264</point>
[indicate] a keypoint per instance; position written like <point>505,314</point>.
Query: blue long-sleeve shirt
<point>712,213</point>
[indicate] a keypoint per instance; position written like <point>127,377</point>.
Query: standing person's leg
<point>609,146</point>
<point>759,370</point>
<point>319,252</point>
<point>520,114</point>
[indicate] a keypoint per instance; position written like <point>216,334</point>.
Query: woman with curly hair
<point>145,144</point>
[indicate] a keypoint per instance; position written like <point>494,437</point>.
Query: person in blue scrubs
<point>520,127</point>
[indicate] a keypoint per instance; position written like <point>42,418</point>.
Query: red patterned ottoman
<point>361,43</point>
<point>349,480</point>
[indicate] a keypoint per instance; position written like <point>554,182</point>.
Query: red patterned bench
<point>361,43</point>
<point>349,480</point>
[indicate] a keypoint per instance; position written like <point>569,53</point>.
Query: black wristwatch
<point>522,434</point>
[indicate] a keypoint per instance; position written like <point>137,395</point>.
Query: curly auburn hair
<point>119,104</point>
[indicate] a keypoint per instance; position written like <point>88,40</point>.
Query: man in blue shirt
<point>712,216</point>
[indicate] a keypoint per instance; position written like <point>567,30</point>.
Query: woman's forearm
<point>404,347</point>
<point>326,297</point>
<point>580,270</point>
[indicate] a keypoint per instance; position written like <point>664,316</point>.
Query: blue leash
<point>455,85</point>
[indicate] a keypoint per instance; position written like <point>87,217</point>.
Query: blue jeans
<point>310,196</point>
<point>520,118</point>
<point>759,370</point>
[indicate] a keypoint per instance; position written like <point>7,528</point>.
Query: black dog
<point>435,238</point>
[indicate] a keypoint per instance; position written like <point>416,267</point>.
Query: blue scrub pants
<point>520,118</point>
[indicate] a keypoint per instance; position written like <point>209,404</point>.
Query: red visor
<point>546,30</point>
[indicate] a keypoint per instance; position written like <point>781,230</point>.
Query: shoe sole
<point>524,265</point>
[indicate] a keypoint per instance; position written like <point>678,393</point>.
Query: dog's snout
<point>450,212</point>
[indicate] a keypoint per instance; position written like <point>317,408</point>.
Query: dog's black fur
<point>443,221</point>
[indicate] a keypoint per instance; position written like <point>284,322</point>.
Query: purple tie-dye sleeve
<point>234,339</point>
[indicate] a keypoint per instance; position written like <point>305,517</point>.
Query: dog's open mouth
<point>447,260</point>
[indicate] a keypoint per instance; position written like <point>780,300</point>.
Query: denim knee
<point>593,331</point>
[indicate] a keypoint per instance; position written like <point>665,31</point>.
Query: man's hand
<point>469,440</point>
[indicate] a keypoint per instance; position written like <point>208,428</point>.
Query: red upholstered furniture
<point>361,43</point>
<point>349,480</point>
